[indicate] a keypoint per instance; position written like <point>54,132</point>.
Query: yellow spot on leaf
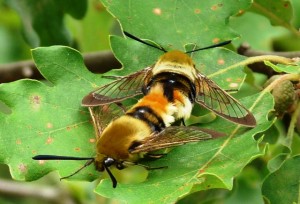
<point>157,11</point>
<point>49,140</point>
<point>92,140</point>
<point>197,11</point>
<point>216,6</point>
<point>221,61</point>
<point>22,167</point>
<point>216,40</point>
<point>233,85</point>
<point>41,162</point>
<point>49,125</point>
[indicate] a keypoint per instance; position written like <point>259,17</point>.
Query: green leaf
<point>43,20</point>
<point>285,182</point>
<point>167,22</point>
<point>258,24</point>
<point>291,69</point>
<point>46,118</point>
<point>91,31</point>
<point>279,12</point>
<point>55,123</point>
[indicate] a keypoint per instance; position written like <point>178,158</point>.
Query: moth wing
<point>104,114</point>
<point>118,90</point>
<point>175,136</point>
<point>214,98</point>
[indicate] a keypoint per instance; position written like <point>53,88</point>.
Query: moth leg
<point>85,165</point>
<point>231,90</point>
<point>154,156</point>
<point>182,121</point>
<point>152,168</point>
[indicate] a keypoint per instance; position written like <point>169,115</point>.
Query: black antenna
<point>55,157</point>
<point>144,42</point>
<point>212,46</point>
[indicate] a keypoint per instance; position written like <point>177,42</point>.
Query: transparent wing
<point>175,136</point>
<point>118,90</point>
<point>211,96</point>
<point>103,115</point>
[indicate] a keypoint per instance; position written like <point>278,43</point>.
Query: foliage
<point>45,117</point>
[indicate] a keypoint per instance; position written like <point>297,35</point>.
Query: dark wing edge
<point>118,90</point>
<point>175,136</point>
<point>214,98</point>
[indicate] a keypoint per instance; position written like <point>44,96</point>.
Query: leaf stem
<point>289,137</point>
<point>251,60</point>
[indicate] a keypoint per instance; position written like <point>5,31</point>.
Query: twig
<point>260,67</point>
<point>98,62</point>
<point>29,190</point>
<point>246,50</point>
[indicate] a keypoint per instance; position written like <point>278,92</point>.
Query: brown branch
<point>246,50</point>
<point>21,189</point>
<point>98,62</point>
<point>260,67</point>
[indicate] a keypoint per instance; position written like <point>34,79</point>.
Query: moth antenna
<point>56,157</point>
<point>212,46</point>
<point>142,41</point>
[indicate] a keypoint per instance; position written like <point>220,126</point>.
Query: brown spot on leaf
<point>22,167</point>
<point>286,4</point>
<point>92,140</point>
<point>18,142</point>
<point>221,61</point>
<point>35,101</point>
<point>49,125</point>
<point>201,171</point>
<point>216,40</point>
<point>77,149</point>
<point>68,128</point>
<point>241,12</point>
<point>197,11</point>
<point>216,6</point>
<point>49,140</point>
<point>34,151</point>
<point>157,11</point>
<point>228,79</point>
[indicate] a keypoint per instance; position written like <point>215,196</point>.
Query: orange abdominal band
<point>178,96</point>
<point>156,101</point>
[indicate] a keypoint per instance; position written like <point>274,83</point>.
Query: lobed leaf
<point>285,182</point>
<point>42,20</point>
<point>173,24</point>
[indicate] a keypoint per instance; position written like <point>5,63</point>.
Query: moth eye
<point>120,166</point>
